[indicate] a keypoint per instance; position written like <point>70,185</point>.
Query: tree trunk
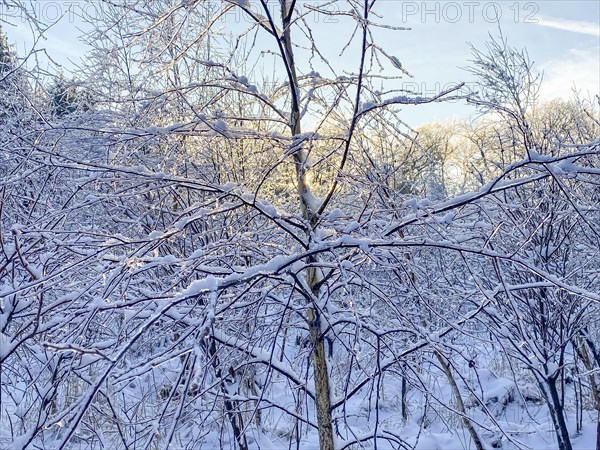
<point>598,432</point>
<point>459,401</point>
<point>558,416</point>
<point>321,375</point>
<point>404,403</point>
<point>587,362</point>
<point>319,360</point>
<point>231,407</point>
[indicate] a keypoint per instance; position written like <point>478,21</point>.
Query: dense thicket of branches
<point>195,254</point>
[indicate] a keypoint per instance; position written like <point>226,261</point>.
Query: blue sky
<point>562,37</point>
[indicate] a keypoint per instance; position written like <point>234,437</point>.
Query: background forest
<point>200,252</point>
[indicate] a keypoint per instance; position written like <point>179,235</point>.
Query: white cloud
<point>577,68</point>
<point>576,26</point>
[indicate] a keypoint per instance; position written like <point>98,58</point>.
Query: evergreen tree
<point>66,98</point>
<point>5,53</point>
<point>8,75</point>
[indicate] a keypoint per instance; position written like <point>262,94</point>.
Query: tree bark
<point>321,375</point>
<point>587,362</point>
<point>562,432</point>
<point>550,392</point>
<point>317,341</point>
<point>459,401</point>
<point>231,409</point>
